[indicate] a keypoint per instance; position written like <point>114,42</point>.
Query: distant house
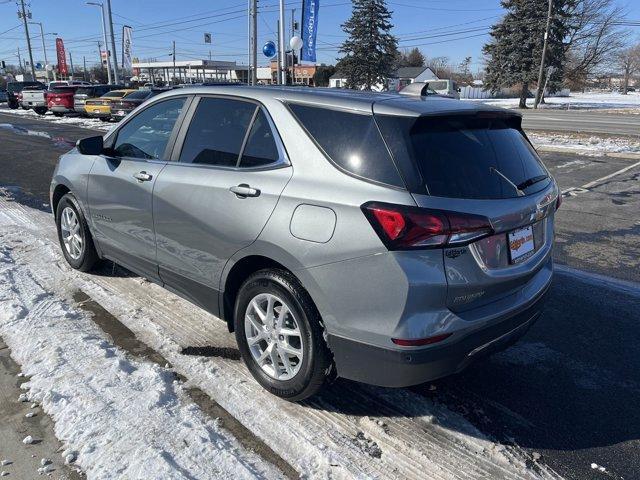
<point>400,78</point>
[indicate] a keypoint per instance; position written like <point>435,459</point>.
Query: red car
<point>60,99</point>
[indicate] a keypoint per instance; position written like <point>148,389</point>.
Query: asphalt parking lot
<point>568,391</point>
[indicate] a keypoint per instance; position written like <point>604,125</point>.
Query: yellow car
<point>101,107</point>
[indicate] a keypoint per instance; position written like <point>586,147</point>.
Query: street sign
<point>207,38</point>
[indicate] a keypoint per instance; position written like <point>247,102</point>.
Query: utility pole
<point>104,36</point>
<point>254,46</point>
<point>44,48</point>
<point>249,42</point>
<point>20,62</point>
<point>113,44</point>
<point>23,15</point>
<point>71,63</point>
<point>174,62</point>
<point>283,62</point>
<point>544,54</point>
<point>279,61</point>
<point>84,68</point>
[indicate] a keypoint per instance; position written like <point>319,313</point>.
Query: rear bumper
<point>33,104</point>
<point>402,368</point>
<point>96,114</point>
<point>60,109</point>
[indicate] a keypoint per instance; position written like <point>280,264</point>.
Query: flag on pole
<point>309,29</point>
<point>126,47</point>
<point>62,57</point>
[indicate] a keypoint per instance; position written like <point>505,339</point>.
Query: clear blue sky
<point>453,28</point>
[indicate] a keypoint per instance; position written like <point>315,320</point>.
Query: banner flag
<point>62,58</point>
<point>126,47</point>
<point>309,29</point>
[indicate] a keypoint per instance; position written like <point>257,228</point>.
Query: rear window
<point>140,95</point>
<point>65,89</point>
<point>352,142</point>
<point>458,157</point>
<point>114,94</point>
<point>85,91</point>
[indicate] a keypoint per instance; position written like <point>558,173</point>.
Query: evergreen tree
<point>414,58</point>
<point>514,53</point>
<point>370,51</point>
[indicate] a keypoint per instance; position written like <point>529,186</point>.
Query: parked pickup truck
<point>35,97</point>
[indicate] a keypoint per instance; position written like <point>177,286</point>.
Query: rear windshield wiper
<point>506,179</point>
<point>531,181</point>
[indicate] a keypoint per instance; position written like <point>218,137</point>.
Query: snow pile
<point>629,103</point>
<point>89,123</point>
<point>121,418</point>
<point>588,145</point>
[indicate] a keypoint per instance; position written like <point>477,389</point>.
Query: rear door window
<point>351,141</point>
<point>217,132</point>
<point>458,156</point>
<point>261,148</point>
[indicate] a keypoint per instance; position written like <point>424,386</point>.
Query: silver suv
<point>386,239</point>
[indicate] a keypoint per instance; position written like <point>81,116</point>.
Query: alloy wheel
<point>71,233</point>
<point>273,336</point>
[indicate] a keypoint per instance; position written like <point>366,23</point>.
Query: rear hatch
<point>61,96</point>
<point>479,165</point>
<point>34,96</point>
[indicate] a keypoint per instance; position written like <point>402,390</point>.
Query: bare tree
<point>594,39</point>
<point>629,61</point>
<point>440,66</point>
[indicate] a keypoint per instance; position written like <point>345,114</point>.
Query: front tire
<point>74,235</point>
<point>280,335</point>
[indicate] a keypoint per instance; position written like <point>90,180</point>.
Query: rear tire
<point>105,119</point>
<point>40,110</point>
<point>293,342</point>
<point>74,235</point>
<point>58,114</point>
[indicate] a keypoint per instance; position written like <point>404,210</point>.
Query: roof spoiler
<point>415,89</point>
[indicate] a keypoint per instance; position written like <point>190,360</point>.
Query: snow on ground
<point>587,145</point>
<point>353,431</point>
<point>122,418</point>
<point>90,123</point>
<point>629,103</point>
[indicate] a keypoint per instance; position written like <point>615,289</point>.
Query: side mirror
<point>90,145</point>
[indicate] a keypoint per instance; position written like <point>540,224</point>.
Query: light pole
<point>283,61</point>
<point>104,35</point>
<point>44,48</point>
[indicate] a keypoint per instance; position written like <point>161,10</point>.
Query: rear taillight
<point>403,227</point>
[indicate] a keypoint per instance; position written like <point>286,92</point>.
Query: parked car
<point>101,107</point>
<point>34,97</point>
<point>60,99</point>
<point>444,88</point>
<point>64,83</point>
<point>382,238</point>
<point>85,93</point>
<point>120,108</point>
<point>13,92</point>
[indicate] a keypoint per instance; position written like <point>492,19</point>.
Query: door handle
<point>243,191</point>
<point>142,176</point>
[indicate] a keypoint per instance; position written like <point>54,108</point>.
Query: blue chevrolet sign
<point>309,29</point>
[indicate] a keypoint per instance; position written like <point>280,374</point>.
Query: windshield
<point>458,156</point>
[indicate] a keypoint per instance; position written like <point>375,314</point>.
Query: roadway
<point>580,121</point>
